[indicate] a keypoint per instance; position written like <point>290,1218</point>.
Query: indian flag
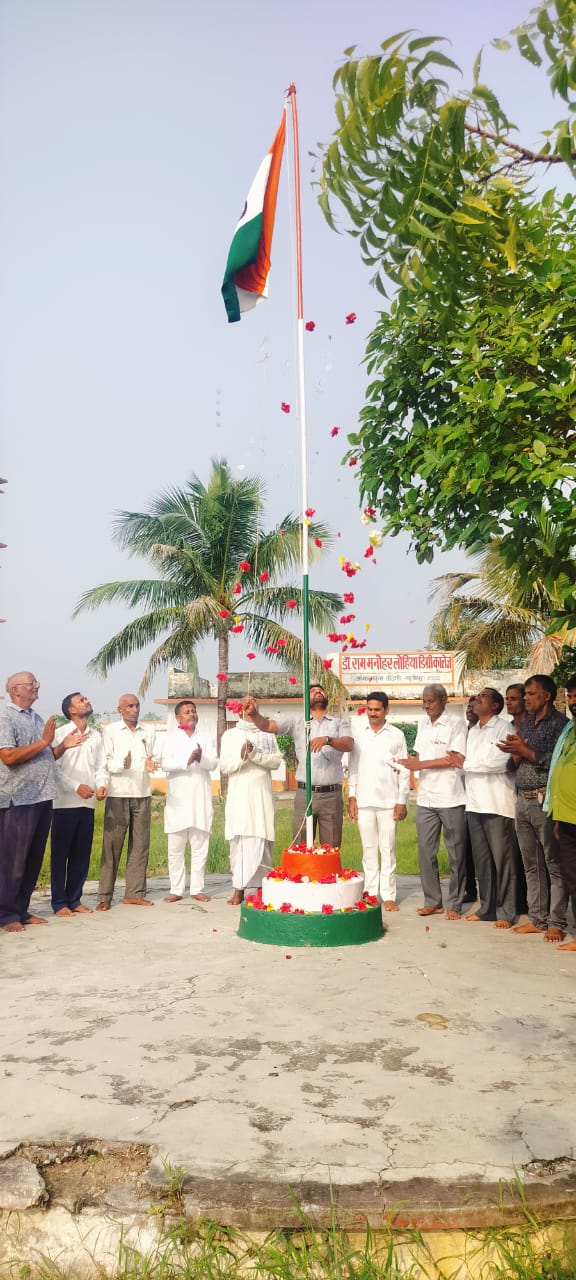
<point>248,265</point>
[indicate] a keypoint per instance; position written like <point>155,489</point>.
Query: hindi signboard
<point>381,670</point>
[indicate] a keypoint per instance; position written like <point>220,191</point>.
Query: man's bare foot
<point>554,935</point>
<point>390,906</point>
<point>14,927</point>
<point>35,920</point>
<point>64,911</point>
<point>566,946</point>
<point>236,899</point>
<point>200,897</point>
<point>472,917</point>
<point>104,906</point>
<point>137,902</point>
<point>81,910</point>
<point>453,915</point>
<point>502,924</point>
<point>173,897</point>
<point>527,928</point>
<point>430,911</point>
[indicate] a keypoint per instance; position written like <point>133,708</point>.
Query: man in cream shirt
<point>81,780</point>
<point>188,759</point>
<point>378,791</point>
<point>129,749</point>
<point>440,803</point>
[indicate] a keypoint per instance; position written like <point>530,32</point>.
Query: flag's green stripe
<point>243,252</point>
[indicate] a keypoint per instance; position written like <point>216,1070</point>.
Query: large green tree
<point>219,573</point>
<point>468,429</point>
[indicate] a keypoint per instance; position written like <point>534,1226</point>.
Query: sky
<point>130,131</point>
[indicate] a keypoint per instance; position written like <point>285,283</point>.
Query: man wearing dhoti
<point>248,756</point>
<point>188,759</point>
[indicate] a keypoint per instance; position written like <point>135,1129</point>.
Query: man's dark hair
<point>546,683</point>
<point>186,702</point>
<point>378,696</point>
<point>67,703</point>
<point>570,684</point>
<point>519,687</point>
<point>315,684</point>
<point>497,698</point>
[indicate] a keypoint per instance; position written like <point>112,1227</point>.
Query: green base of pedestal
<point>343,929</point>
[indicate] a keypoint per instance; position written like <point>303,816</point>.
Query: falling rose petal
<point>327,663</point>
<point>350,318</point>
<point>271,648</point>
<point>285,407</point>
<point>292,680</point>
<point>348,597</point>
<point>224,613</point>
<point>236,631</point>
<point>317,542</point>
<point>237,590</point>
<point>335,432</point>
<point>427,928</point>
<point>347,617</point>
<point>244,566</point>
<point>264,576</point>
<point>310,511</point>
<point>310,326</point>
<point>370,512</point>
<point>368,552</point>
<point>222,676</point>
<point>361,711</point>
<point>353,462</point>
<point>281,532</point>
<point>233,704</point>
<point>250,656</point>
<point>290,604</point>
<point>338,535</point>
<point>281,643</point>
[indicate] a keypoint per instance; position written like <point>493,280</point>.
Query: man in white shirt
<point>377,794</point>
<point>130,759</point>
<point>440,802</point>
<point>248,757</point>
<point>188,759</point>
<point>81,780</point>
<point>490,810</point>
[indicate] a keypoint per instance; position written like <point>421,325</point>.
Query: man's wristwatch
<point>329,742</point>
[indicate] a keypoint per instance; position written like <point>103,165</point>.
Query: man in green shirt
<point>560,800</point>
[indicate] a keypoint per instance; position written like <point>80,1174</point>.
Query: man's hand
<point>249,705</point>
<point>73,739</point>
<point>514,745</point>
<point>128,760</point>
<point>49,730</point>
<point>399,812</point>
<point>246,749</point>
<point>456,758</point>
<point>85,792</point>
<point>353,808</point>
<point>151,764</point>
<point>316,744</point>
<point>196,756</point>
<point>101,793</point>
<point>411,763</point>
<point>556,830</point>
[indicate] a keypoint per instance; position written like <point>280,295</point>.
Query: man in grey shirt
<point>330,737</point>
<point>27,789</point>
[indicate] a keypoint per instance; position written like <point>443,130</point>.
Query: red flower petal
<point>271,648</point>
<point>237,630</point>
<point>361,711</point>
<point>250,656</point>
<point>347,617</point>
<point>292,680</point>
<point>285,407</point>
<point>281,642</point>
<point>327,663</point>
<point>348,597</point>
<point>310,326</point>
<point>317,542</point>
<point>310,511</point>
<point>353,462</point>
<point>237,590</point>
<point>221,676</point>
<point>335,432</point>
<point>264,576</point>
<point>244,566</point>
<point>224,613</point>
<point>350,318</point>
<point>291,604</point>
<point>368,552</point>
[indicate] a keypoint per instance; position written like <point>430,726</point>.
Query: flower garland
<point>256,903</point>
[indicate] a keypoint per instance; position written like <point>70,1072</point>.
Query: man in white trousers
<point>249,756</point>
<point>188,759</point>
<point>377,794</point>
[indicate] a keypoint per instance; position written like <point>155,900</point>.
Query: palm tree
<point>495,618</point>
<point>218,573</point>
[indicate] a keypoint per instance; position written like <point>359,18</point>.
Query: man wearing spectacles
<point>27,789</point>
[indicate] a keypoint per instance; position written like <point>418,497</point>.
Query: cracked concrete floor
<point>354,1065</point>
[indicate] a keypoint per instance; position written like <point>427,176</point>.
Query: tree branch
<point>524,154</point>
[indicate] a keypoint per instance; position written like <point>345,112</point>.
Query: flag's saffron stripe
<point>248,265</point>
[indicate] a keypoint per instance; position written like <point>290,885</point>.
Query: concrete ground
<point>417,1071</point>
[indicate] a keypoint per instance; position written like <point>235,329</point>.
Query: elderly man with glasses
<point>27,789</point>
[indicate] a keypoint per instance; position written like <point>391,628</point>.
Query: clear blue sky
<point>129,133</point>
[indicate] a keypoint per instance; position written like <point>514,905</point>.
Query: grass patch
<point>218,857</point>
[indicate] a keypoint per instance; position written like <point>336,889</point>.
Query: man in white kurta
<point>377,795</point>
<point>188,759</point>
<point>248,756</point>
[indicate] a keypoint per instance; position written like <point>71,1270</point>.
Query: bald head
<point>22,688</point>
<point>129,708</point>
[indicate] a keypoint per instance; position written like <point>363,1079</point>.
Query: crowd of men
<point>502,792</point>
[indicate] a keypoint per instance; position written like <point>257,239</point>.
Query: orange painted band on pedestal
<point>313,865</point>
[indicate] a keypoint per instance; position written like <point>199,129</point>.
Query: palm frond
<point>137,594</point>
<point>135,636</point>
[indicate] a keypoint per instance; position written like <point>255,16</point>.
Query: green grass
<point>206,1251</point>
<point>218,861</point>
